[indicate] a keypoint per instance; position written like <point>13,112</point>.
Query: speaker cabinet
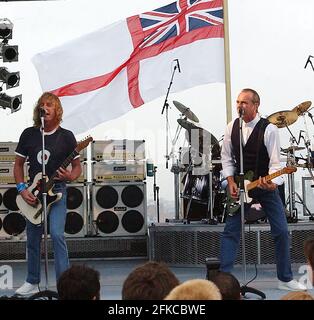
<point>119,209</point>
<point>12,222</point>
<point>75,225</point>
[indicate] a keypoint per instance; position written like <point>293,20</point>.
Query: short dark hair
<point>228,285</point>
<point>256,98</point>
<point>79,282</point>
<point>309,251</point>
<point>150,281</point>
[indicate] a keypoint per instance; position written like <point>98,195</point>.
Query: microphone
<point>241,111</point>
<point>178,64</point>
<point>42,111</point>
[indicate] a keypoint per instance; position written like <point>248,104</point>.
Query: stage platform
<point>190,244</point>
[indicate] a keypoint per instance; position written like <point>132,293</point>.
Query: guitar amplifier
<point>7,151</point>
<point>118,150</point>
<point>116,171</point>
<point>7,175</point>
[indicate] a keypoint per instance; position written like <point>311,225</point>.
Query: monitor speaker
<point>119,209</point>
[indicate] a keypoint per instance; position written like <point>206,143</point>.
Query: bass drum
<point>196,196</point>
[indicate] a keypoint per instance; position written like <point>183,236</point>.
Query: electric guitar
<point>233,204</point>
<point>34,213</point>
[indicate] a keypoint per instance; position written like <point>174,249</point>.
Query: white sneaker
<point>27,288</point>
<point>292,285</point>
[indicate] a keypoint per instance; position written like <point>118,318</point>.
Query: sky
<point>270,41</point>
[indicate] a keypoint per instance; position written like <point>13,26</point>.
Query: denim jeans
<point>56,222</point>
<point>274,210</point>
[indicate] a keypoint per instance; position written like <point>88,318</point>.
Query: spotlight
<point>14,103</point>
<point>6,28</point>
<point>9,53</point>
<point>11,79</point>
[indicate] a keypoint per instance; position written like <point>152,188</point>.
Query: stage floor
<point>114,272</point>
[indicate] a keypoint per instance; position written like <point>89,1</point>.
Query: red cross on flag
<point>102,75</point>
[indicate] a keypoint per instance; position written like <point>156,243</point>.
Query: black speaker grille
<point>107,197</point>
<point>9,199</point>
<point>107,222</point>
<point>74,198</point>
<point>132,196</point>
<point>14,223</point>
<point>132,221</point>
<point>0,223</point>
<point>74,222</point>
<point>0,199</point>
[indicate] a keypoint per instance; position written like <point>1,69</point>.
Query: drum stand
<point>291,186</point>
<point>210,205</point>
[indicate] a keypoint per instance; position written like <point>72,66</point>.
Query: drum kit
<point>201,185</point>
<point>200,167</point>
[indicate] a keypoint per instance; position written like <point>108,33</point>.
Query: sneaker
<point>26,289</point>
<point>292,285</point>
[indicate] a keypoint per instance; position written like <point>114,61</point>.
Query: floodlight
<point>9,53</point>
<point>11,79</point>
<point>6,28</point>
<point>14,103</point>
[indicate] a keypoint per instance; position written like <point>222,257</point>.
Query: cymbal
<point>185,111</point>
<point>292,148</point>
<point>186,124</point>
<point>302,107</point>
<point>282,119</point>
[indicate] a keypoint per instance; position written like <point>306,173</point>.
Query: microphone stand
<point>166,106</point>
<point>44,194</point>
<point>156,192</point>
<point>244,289</point>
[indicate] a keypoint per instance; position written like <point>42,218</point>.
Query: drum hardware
<point>187,112</point>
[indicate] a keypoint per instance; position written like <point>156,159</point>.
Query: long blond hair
<point>47,96</point>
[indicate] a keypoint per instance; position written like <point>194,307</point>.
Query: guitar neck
<point>64,165</point>
<point>254,183</point>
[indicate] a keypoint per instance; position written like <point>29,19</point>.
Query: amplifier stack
<point>12,222</point>
<point>118,192</point>
<point>108,199</point>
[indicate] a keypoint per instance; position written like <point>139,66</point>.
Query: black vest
<point>255,155</point>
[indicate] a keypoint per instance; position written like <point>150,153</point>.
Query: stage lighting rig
<point>14,103</point>
<point>8,52</point>
<point>6,28</point>
<point>11,79</point>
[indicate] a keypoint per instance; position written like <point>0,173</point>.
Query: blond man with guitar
<point>261,157</point>
<point>60,145</point>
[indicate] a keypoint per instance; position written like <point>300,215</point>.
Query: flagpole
<point>227,62</point>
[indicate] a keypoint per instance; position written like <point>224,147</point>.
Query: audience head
<point>150,281</point>
<point>196,289</point>
<point>79,282</point>
<point>297,295</point>
<point>309,254</point>
<point>228,285</point>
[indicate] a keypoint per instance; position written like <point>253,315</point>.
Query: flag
<point>104,74</point>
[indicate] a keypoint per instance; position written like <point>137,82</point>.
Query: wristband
<point>21,187</point>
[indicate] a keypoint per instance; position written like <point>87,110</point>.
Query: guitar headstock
<point>289,170</point>
<point>83,143</point>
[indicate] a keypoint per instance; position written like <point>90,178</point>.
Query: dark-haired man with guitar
<point>261,155</point>
<point>59,144</point>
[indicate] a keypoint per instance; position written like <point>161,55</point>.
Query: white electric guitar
<point>34,213</point>
<point>234,204</point>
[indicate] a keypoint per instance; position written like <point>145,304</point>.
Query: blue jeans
<point>274,210</point>
<point>56,218</point>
